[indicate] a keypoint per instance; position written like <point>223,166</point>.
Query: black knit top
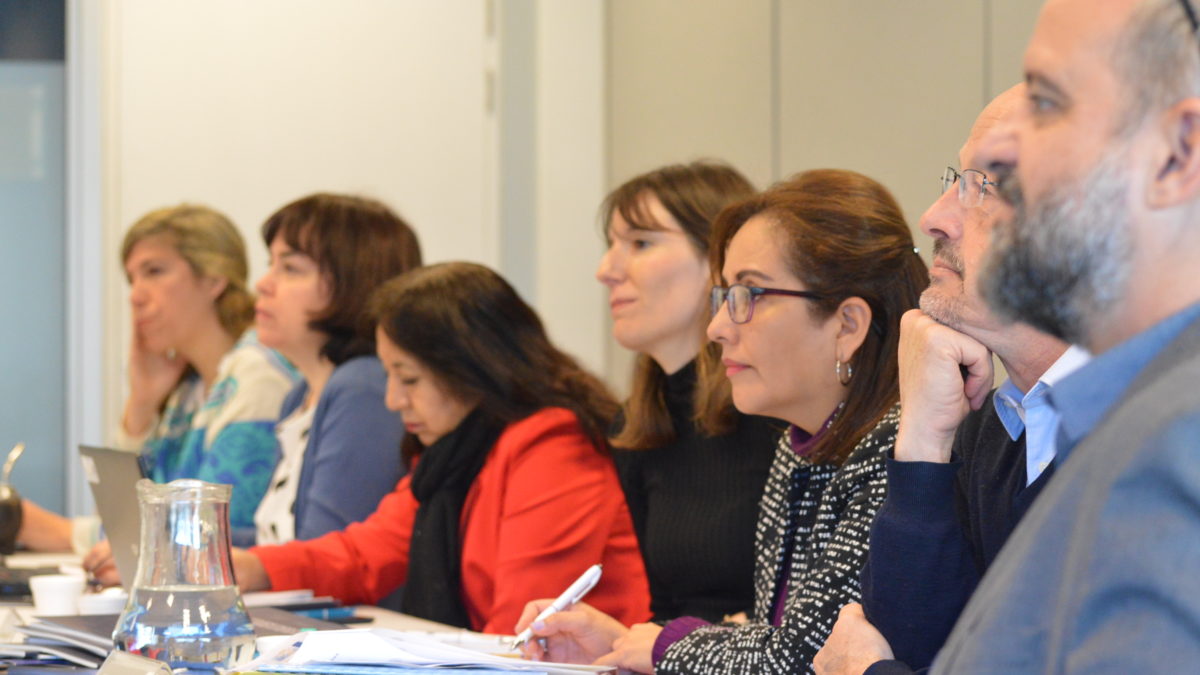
<point>694,504</point>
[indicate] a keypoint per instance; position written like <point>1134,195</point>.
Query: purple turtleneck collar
<point>804,442</point>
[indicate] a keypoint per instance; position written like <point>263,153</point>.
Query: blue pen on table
<point>326,613</point>
<point>572,595</point>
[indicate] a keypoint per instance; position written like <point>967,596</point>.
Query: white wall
<point>550,158</point>
<point>780,86</point>
<point>888,89</point>
<point>570,185</point>
<point>688,81</point>
<point>247,105</point>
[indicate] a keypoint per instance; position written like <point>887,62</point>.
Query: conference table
<point>381,618</point>
<point>14,613</point>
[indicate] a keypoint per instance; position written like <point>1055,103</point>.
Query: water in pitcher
<point>195,627</point>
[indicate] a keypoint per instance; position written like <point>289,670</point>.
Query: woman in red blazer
<point>512,495</point>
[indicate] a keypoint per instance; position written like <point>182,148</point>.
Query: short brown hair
<point>470,328</point>
<point>845,237</point>
<point>358,244</point>
<point>693,194</point>
<point>212,247</point>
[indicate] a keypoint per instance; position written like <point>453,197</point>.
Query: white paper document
<point>283,598</point>
<point>401,649</point>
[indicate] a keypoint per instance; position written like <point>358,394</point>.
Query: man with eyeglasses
<point>967,464</point>
<point>1103,171</point>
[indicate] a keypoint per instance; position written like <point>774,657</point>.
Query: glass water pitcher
<point>184,607</point>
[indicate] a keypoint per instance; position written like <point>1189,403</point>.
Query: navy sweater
<point>939,529</point>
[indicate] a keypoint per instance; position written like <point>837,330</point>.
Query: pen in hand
<point>574,593</point>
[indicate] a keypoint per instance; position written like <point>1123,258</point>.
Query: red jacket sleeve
<point>559,509</point>
<point>358,565</point>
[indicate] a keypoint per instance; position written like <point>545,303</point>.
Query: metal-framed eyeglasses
<point>972,185</point>
<point>1190,11</point>
<point>740,299</point>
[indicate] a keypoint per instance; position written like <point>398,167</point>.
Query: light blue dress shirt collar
<point>1033,414</point>
<point>1084,398</point>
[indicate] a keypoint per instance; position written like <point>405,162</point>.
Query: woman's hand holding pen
<point>580,634</point>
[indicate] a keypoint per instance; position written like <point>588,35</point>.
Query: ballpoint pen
<point>574,593</point>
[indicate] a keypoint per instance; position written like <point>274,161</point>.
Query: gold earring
<point>837,370</point>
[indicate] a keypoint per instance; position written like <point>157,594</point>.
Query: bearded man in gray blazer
<point>1102,169</point>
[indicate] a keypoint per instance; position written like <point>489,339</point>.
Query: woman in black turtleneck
<point>691,466</point>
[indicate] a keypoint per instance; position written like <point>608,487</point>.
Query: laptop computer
<point>113,475</point>
<point>14,582</point>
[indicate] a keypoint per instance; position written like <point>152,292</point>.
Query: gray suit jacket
<point>1103,574</point>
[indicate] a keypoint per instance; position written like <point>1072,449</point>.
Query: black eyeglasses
<point>1191,15</point>
<point>741,299</point>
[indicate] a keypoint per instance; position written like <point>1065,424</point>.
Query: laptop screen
<point>113,476</point>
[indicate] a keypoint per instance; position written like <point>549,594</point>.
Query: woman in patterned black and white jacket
<point>812,278</point>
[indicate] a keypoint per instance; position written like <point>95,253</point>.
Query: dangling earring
<point>837,370</point>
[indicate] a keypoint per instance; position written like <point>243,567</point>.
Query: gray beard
<point>1061,265</point>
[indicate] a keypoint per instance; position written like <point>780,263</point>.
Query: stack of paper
<point>93,632</point>
<point>33,652</point>
<point>379,651</point>
<point>286,599</point>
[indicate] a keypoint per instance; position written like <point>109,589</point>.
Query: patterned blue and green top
<point>228,435</point>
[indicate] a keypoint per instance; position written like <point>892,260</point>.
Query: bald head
<point>1000,110</point>
<point>1154,55</point>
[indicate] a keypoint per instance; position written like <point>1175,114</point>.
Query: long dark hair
<point>845,237</point>
<point>693,194</point>
<point>470,328</point>
<point>358,244</point>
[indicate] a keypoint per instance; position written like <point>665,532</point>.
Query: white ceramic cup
<point>56,594</point>
<point>109,601</point>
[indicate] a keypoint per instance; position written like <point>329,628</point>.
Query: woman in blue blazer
<point>339,445</point>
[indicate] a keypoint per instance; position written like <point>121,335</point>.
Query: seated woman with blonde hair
<point>513,494</point>
<point>203,393</point>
